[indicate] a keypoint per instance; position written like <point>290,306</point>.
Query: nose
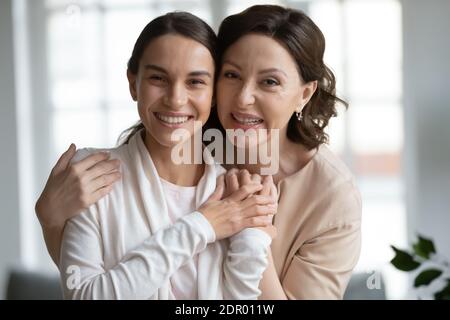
<point>176,96</point>
<point>246,95</point>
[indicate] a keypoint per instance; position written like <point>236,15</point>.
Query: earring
<point>299,115</point>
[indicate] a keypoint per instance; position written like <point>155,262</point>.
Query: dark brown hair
<point>305,42</point>
<point>179,23</point>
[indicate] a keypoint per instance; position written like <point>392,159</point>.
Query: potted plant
<point>429,265</point>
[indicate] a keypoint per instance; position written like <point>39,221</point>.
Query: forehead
<point>177,53</point>
<point>260,50</point>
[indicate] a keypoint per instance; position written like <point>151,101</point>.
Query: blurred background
<point>63,80</point>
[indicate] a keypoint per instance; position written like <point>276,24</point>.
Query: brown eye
<point>230,75</point>
<point>156,78</point>
<point>196,82</point>
<point>270,82</point>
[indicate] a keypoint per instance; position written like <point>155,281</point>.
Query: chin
<point>248,144</point>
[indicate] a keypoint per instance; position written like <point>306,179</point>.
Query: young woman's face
<point>259,86</point>
<point>173,87</point>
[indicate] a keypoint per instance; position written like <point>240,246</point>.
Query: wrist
<point>52,224</point>
<point>209,222</point>
<point>46,219</point>
<point>205,225</point>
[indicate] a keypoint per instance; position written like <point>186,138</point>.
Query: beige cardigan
<point>319,229</point>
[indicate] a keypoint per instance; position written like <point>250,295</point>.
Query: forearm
<point>141,272</point>
<point>53,238</point>
<point>270,285</point>
<point>52,227</point>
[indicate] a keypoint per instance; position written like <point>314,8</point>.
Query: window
<point>88,44</point>
<point>366,55</point>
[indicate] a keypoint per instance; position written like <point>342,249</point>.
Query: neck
<point>184,174</point>
<point>288,159</point>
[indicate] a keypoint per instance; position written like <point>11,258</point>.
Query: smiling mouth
<point>171,119</point>
<point>246,120</point>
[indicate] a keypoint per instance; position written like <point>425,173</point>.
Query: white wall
<point>9,198</point>
<point>427,123</point>
<point>427,118</point>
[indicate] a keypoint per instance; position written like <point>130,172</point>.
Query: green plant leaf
<point>424,247</point>
<point>444,294</point>
<point>404,261</point>
<point>425,277</point>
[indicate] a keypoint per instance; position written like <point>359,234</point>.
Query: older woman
<point>272,76</point>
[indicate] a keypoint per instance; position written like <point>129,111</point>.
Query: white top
<point>181,201</point>
<point>126,247</point>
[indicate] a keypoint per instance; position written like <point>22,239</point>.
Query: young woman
<point>165,231</point>
<point>272,76</point>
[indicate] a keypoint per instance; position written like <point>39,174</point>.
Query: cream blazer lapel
<point>209,273</point>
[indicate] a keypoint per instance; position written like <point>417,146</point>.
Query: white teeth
<point>172,120</point>
<point>247,120</point>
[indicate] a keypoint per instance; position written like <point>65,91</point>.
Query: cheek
<point>281,107</point>
<point>224,94</point>
<point>276,114</point>
<point>147,99</point>
<point>148,94</point>
<point>203,101</point>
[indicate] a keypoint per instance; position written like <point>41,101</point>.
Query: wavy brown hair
<point>305,42</point>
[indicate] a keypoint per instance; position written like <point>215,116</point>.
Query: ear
<point>132,84</point>
<point>308,90</point>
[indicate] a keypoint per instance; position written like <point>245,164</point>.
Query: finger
<point>233,171</point>
<point>244,177</point>
<point>257,200</point>
<point>266,186</point>
<point>91,160</point>
<point>103,167</point>
<point>256,178</point>
<point>260,210</point>
<point>261,221</point>
<point>274,191</point>
<point>220,189</point>
<point>245,191</point>
<point>103,181</point>
<point>65,158</point>
<point>100,193</point>
<point>232,183</point>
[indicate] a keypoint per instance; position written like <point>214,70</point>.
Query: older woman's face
<point>259,86</point>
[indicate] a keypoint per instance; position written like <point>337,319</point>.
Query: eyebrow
<point>273,70</point>
<point>192,73</point>
<point>262,71</point>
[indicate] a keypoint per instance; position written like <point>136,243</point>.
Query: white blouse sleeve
<point>245,264</point>
<point>141,271</point>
